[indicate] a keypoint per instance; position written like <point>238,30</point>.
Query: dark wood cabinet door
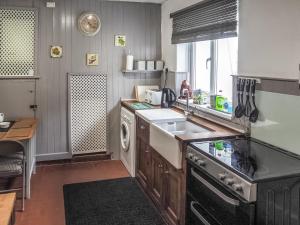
<point>143,162</point>
<point>142,130</point>
<point>157,178</point>
<point>173,194</point>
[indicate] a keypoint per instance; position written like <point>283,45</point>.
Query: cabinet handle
<point>147,151</point>
<point>160,165</point>
<point>142,127</point>
<point>167,172</point>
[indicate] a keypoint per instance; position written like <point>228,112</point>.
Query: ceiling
<point>151,1</point>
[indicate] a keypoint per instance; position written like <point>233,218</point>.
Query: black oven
<point>209,202</point>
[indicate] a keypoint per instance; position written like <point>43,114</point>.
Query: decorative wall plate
<point>56,51</point>
<point>89,24</point>
<point>92,59</point>
<point>120,40</point>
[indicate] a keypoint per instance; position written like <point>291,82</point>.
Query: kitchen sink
<point>180,127</point>
<point>162,138</point>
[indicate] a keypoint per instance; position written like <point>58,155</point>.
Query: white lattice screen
<point>17,42</point>
<point>88,113</point>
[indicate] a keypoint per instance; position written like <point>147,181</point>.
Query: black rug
<point>109,202</point>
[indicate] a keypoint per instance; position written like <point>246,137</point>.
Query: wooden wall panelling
<point>140,23</point>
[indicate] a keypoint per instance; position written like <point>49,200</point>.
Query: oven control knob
<point>229,181</point>
<point>195,158</point>
<point>222,176</point>
<point>237,187</point>
<point>201,162</point>
<point>190,155</point>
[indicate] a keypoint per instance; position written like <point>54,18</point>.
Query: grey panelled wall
<point>140,23</point>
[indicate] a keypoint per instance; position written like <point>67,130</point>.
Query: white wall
<point>269,38</point>
<point>169,51</point>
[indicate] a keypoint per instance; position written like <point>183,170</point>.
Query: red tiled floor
<point>46,206</point>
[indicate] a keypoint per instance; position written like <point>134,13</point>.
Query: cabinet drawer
<point>142,129</point>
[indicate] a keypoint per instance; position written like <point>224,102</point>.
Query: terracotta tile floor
<point>46,206</point>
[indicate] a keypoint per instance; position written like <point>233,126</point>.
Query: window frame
<point>36,44</point>
<point>213,82</point>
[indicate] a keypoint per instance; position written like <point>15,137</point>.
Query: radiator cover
<point>87,113</point>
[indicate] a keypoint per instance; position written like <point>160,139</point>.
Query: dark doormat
<point>109,202</point>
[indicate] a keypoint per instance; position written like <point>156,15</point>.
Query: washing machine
<point>127,136</point>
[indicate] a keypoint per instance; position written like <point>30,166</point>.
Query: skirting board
<point>53,156</point>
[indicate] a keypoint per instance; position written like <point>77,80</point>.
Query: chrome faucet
<point>187,111</point>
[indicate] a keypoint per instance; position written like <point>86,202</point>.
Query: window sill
<point>19,77</point>
<point>206,109</point>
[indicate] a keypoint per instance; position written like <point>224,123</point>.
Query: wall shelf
<point>141,71</point>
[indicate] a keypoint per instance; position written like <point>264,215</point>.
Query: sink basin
<point>162,139</point>
<point>180,127</point>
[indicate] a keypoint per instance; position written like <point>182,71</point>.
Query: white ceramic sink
<point>160,115</point>
<point>162,139</point>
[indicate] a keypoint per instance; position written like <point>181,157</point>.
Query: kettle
<point>168,98</point>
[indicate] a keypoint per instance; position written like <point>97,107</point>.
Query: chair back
<point>8,147</point>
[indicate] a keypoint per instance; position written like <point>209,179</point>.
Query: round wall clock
<point>89,24</point>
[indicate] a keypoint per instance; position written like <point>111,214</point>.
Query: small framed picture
<point>120,40</point>
<point>56,51</point>
<point>92,59</point>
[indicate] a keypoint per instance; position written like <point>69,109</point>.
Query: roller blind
<point>207,20</point>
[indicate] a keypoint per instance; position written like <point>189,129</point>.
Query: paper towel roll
<point>129,62</point>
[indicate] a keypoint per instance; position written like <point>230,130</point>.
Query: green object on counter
<point>140,106</point>
<point>220,101</point>
<point>219,145</point>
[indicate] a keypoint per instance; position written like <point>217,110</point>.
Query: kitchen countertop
<point>217,131</point>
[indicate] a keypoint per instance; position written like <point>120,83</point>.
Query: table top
<point>7,202</point>
<point>23,129</point>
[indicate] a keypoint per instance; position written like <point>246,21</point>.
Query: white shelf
<point>141,71</point>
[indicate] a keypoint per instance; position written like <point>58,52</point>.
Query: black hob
<point>250,158</point>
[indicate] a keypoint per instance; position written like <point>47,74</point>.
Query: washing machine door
<point>125,136</point>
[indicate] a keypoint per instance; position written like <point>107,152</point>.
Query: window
<point>213,64</point>
<point>17,42</point>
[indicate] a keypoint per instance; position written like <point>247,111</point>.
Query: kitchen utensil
<point>140,65</point>
<point>239,110</point>
<point>248,108</point>
<point>159,65</point>
<point>1,117</point>
<point>168,98</point>
<point>4,125</point>
<point>150,65</point>
<point>255,112</point>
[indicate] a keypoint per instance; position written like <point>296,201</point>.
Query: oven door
<point>211,203</point>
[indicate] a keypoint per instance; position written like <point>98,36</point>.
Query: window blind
<point>207,20</point>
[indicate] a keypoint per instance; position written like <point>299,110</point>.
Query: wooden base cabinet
<point>173,194</point>
<point>160,180</point>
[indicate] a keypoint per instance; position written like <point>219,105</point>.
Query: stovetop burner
<point>252,159</point>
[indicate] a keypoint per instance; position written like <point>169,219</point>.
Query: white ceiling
<point>151,1</point>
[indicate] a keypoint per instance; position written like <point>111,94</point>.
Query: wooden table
<point>7,205</point>
<point>24,130</point>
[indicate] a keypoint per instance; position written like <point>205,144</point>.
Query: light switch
<point>50,4</point>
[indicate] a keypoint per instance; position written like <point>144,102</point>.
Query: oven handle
<point>197,214</point>
<point>215,190</point>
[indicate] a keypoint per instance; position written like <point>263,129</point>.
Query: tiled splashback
<point>279,123</point>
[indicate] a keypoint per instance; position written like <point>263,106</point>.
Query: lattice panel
<point>17,42</point>
<point>88,113</point>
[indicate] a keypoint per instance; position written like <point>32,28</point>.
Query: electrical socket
<point>50,5</point>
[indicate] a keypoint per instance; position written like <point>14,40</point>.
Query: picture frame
<point>92,59</point>
<point>56,51</point>
<point>120,40</point>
